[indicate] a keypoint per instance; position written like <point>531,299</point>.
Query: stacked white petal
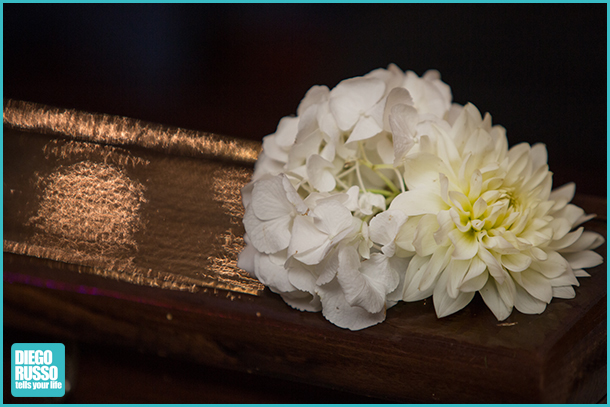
<point>382,190</point>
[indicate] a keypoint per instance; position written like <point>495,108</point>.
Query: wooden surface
<point>109,374</point>
<point>559,356</point>
<point>556,357</point>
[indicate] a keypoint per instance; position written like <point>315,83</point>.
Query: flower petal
<point>539,155</point>
<point>518,160</point>
<point>304,147</point>
<point>567,278</point>
<point>493,300</point>
<point>423,239</point>
<point>334,219</point>
<point>563,195</point>
<point>444,219</point>
<point>270,236</point>
<point>300,276</point>
<point>460,201</point>
<point>302,301</point>
<point>385,149</point>
<point>568,240</point>
<point>479,207</point>
<point>399,266</point>
<point>570,212</point>
<point>402,122</point>
<point>430,94</point>
<point>271,274</point>
<point>561,227</point>
<point>273,150</point>
<point>476,277</point>
<point>438,262</point>
<point>397,96</point>
<point>584,259</point>
<point>554,266</point>
<point>422,170</point>
<point>581,273</point>
<point>269,199</point>
<point>285,134</point>
<point>535,284</point>
<point>357,289</point>
<point>328,267</point>
<point>352,97</point>
<point>476,283</point>
<point>369,288</point>
<point>364,92</point>
<point>460,220</point>
<point>365,128</point>
<point>538,254</point>
<point>345,112</point>
<point>500,245</point>
<point>308,244</point>
<point>314,96</point>
<point>516,262</point>
<point>405,236</point>
<point>415,272</point>
<point>318,173</point>
<point>456,271</point>
<point>526,303</point>
<point>587,241</point>
<point>419,202</point>
<point>536,178</point>
<point>444,304</point>
<point>245,260</point>
<point>337,310</point>
<point>384,227</point>
<point>567,292</point>
<point>465,245</point>
<point>493,265</point>
<point>368,200</point>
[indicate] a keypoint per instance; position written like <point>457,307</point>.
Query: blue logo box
<point>38,370</point>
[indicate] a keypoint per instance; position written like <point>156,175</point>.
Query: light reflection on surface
<point>161,220</point>
<point>91,203</point>
<point>107,129</point>
<point>227,184</point>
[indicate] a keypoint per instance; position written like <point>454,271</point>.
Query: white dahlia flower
<point>482,218</point>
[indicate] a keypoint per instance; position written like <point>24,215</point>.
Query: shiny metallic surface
<point>125,212</point>
<point>123,131</point>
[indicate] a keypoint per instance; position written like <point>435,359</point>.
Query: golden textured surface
<point>164,220</point>
<point>107,129</point>
<point>227,184</point>
<point>92,203</point>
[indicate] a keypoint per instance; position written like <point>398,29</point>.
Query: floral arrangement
<point>382,190</point>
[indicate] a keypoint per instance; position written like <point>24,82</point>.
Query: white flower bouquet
<point>382,190</point>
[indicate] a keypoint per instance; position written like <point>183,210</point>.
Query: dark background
<point>540,70</point>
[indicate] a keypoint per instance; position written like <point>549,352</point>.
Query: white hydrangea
<point>382,190</point>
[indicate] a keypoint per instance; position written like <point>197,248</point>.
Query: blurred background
<point>540,70</point>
